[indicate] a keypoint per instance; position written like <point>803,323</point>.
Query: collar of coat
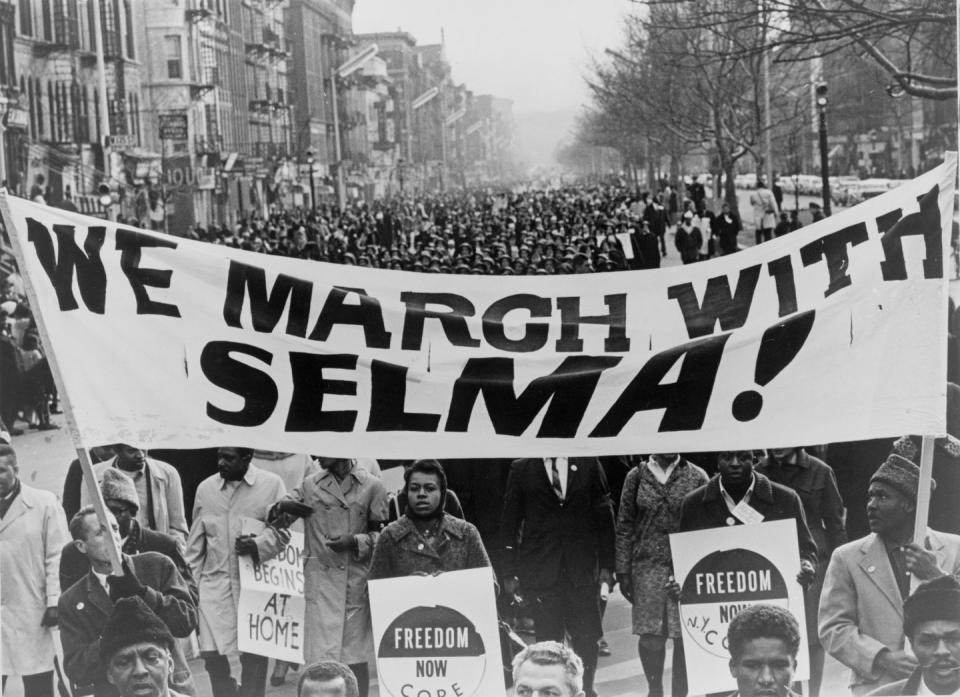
<point>448,526</point>
<point>762,489</point>
<point>249,478</point>
<point>356,472</point>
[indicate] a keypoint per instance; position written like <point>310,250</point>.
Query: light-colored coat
<point>167,495</point>
<point>218,513</point>
<point>763,200</point>
<point>32,533</point>
<point>337,623</point>
<point>861,610</point>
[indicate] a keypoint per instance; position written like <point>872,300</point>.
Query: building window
<point>128,26</point>
<point>26,17</point>
<point>172,50</point>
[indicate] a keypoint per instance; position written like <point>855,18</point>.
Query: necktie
<point>555,478</point>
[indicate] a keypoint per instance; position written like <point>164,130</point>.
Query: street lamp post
<point>824,155</point>
<point>313,185</point>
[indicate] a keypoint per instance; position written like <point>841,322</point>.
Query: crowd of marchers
<point>557,533</point>
<point>567,531</point>
<point>530,232</point>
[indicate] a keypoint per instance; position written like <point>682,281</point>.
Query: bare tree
<point>913,41</point>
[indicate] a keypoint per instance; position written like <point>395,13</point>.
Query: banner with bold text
<point>834,332</point>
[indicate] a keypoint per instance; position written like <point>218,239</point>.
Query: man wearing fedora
<point>861,614</point>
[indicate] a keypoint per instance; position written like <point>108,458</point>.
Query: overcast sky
<point>534,52</point>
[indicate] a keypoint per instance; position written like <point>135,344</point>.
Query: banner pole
<point>923,493</point>
<point>82,454</point>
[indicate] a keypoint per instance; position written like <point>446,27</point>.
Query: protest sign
<point>272,606</point>
<point>163,341</point>
<point>721,571</point>
<point>437,636</point>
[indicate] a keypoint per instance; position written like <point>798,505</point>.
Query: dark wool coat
<point>402,551</point>
<point>705,508</point>
<point>649,512</point>
<point>85,608</point>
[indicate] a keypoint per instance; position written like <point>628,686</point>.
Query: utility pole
<point>102,88</point>
<point>824,153</point>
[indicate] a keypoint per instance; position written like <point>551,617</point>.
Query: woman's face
<point>423,493</point>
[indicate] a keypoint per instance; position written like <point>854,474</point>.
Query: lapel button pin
<point>871,569</point>
<point>420,546</point>
<point>731,521</point>
<point>573,468</point>
<point>80,606</point>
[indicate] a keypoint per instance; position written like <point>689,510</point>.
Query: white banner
<point>437,635</point>
<point>721,571</point>
<point>834,332</point>
<point>272,605</point>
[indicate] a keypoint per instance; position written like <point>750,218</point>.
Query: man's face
<point>96,540</point>
<point>782,454</point>
<point>887,508</point>
<point>123,513</point>
<point>736,468</point>
<point>231,464</point>
<point>9,472</point>
<point>140,670</point>
<point>664,459</point>
<point>324,688</point>
<point>537,680</point>
<point>130,457</point>
<point>764,668</point>
<point>936,645</point>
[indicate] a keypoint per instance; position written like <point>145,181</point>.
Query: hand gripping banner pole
<point>82,453</point>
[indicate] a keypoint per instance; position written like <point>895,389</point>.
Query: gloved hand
<point>343,543</point>
<point>294,508</point>
<point>125,586</point>
<point>246,546</point>
<point>51,617</point>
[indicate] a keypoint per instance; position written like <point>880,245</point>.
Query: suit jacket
<point>74,564</point>
<point>861,610</point>
<point>545,537</point>
<point>85,608</point>
<point>705,508</point>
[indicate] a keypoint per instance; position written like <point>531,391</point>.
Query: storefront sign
<point>174,127</point>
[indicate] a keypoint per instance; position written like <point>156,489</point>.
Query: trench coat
<point>166,493</point>
<point>218,512</point>
<point>337,622</point>
<point>32,533</point>
<point>649,512</point>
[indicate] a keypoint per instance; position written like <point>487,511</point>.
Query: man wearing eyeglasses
<point>738,495</point>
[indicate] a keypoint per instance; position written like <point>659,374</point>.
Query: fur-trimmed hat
<point>938,599</point>
<point>132,622</point>
<point>899,473</point>
<point>120,487</point>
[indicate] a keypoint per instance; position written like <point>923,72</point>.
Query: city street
<point>44,457</point>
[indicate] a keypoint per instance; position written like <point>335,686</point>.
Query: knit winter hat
<point>938,599</point>
<point>120,487</point>
<point>132,622</point>
<point>899,473</point>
